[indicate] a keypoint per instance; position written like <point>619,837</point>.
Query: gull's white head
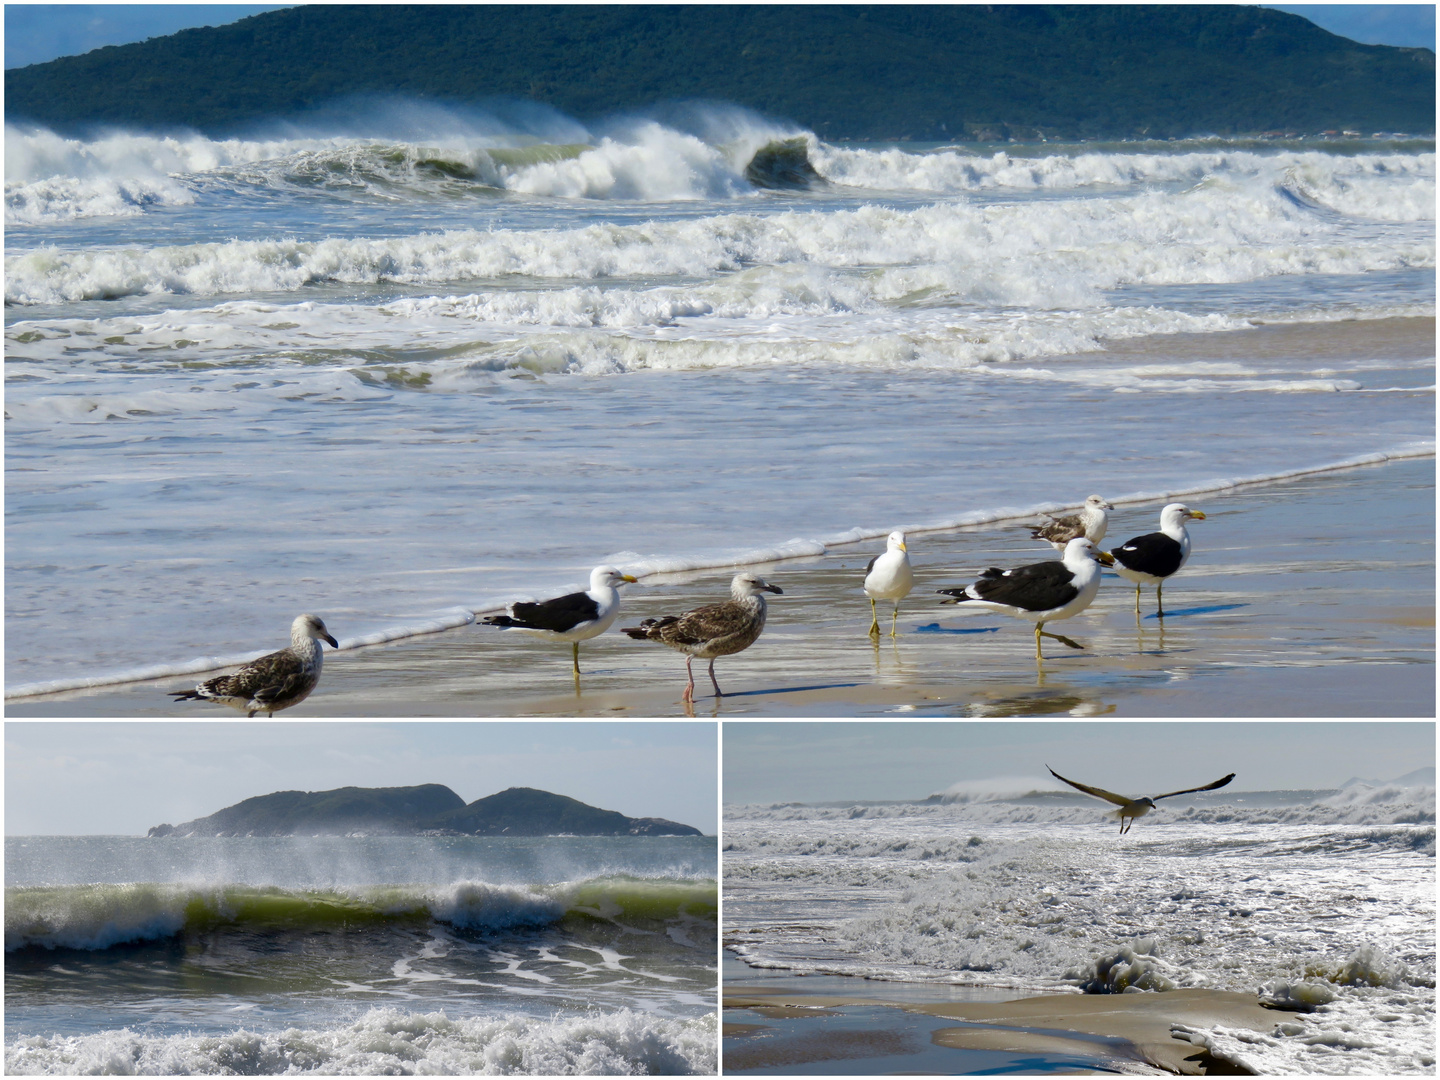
<point>311,626</point>
<point>607,577</point>
<point>896,541</point>
<point>1176,514</point>
<point>1095,502</point>
<point>746,584</point>
<point>1082,550</point>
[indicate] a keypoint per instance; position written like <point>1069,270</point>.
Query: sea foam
<point>394,1041</point>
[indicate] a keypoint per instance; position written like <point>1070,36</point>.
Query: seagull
<point>574,617</point>
<point>888,577</point>
<point>1041,592</point>
<point>275,681</point>
<point>713,630</point>
<point>1091,523</point>
<point>1135,808</point>
<point>1150,559</point>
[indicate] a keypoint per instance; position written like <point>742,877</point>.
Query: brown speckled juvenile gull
<point>1091,523</point>
<point>275,681</point>
<point>713,630</point>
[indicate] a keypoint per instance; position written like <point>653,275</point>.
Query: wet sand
<point>1308,597</point>
<point>1053,1033</point>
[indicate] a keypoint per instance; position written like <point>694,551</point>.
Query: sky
<point>832,761</point>
<point>35,33</point>
<point>122,778</point>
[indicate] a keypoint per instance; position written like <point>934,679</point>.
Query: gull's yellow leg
<point>895,619</point>
<point>874,620</point>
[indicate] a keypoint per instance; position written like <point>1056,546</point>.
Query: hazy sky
<point>122,778</point>
<point>38,32</point>
<point>819,762</point>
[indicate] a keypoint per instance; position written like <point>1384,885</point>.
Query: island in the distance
<point>424,810</point>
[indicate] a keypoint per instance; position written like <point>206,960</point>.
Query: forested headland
<point>881,72</point>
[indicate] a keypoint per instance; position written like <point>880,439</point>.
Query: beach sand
<point>1068,1033</point>
<point>1313,596</point>
<point>1308,597</point>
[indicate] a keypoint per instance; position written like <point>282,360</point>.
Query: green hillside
<point>859,72</point>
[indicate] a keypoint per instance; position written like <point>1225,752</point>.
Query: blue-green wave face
<point>98,917</point>
<point>612,941</point>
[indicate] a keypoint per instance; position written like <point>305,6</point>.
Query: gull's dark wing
<point>558,615</point>
<point>1099,793</point>
<point>1187,791</point>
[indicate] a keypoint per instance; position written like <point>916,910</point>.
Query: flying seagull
<point>1134,808</point>
<point>888,577</point>
<point>1091,523</point>
<point>713,630</point>
<point>1041,592</point>
<point>574,617</point>
<point>275,681</point>
<point>1150,559</point>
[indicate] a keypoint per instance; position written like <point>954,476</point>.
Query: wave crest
<point>97,917</point>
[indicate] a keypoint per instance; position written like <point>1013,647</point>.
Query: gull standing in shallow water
<point>574,617</point>
<point>1150,559</point>
<point>889,577</point>
<point>1091,523</point>
<point>713,630</point>
<point>1135,808</point>
<point>275,681</point>
<point>1041,592</point>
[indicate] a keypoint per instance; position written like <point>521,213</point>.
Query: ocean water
<point>379,955</point>
<point>1320,902</point>
<point>406,368</point>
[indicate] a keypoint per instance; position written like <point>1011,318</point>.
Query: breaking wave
<point>98,917</point>
<point>1036,254</point>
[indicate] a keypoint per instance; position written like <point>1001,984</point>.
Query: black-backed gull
<point>1150,559</point>
<point>1135,808</point>
<point>1041,592</point>
<point>574,617</point>
<point>275,681</point>
<point>889,577</point>
<point>713,630</point>
<point>1091,523</point>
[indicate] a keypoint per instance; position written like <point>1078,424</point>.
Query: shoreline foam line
<point>797,548</point>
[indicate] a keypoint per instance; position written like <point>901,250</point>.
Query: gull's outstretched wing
<point>1099,793</point>
<point>1187,791</point>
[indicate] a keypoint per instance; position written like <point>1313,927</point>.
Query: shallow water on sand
<point>1309,598</point>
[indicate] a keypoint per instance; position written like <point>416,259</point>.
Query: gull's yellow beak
<point>903,547</point>
<point>1197,514</point>
<point>627,577</point>
<point>1105,558</point>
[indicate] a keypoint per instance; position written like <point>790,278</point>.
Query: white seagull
<point>574,617</point>
<point>1150,559</point>
<point>713,630</point>
<point>1091,523</point>
<point>1135,808</point>
<point>1041,592</point>
<point>889,577</point>
<point>275,681</point>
